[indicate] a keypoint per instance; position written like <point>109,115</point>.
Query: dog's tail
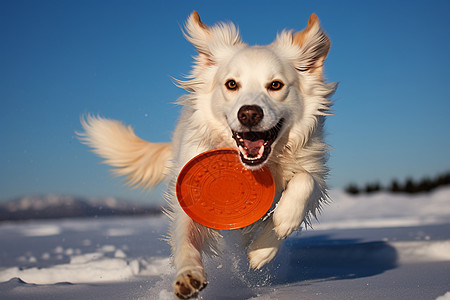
<point>143,163</point>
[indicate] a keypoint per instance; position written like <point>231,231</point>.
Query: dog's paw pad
<point>188,284</point>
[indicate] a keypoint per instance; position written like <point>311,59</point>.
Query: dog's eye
<point>231,85</point>
<point>275,85</point>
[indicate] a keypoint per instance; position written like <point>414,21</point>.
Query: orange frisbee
<point>217,191</point>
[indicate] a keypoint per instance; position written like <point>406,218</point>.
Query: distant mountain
<point>52,206</point>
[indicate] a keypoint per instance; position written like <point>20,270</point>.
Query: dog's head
<point>259,94</point>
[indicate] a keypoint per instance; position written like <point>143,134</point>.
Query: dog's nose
<point>250,115</point>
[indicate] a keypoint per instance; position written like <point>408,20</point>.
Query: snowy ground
<point>381,246</point>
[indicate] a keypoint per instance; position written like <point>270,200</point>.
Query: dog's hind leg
<point>264,248</point>
<point>188,238</point>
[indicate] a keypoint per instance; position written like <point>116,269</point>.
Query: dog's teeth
<point>243,150</point>
<point>261,152</point>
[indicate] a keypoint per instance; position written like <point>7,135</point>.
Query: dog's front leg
<point>188,238</point>
<point>294,204</point>
<point>287,217</point>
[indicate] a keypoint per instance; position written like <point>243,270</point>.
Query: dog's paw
<point>260,256</point>
<point>285,224</point>
<point>188,283</point>
<point>284,229</point>
<point>264,248</point>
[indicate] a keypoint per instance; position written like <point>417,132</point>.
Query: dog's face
<point>257,92</point>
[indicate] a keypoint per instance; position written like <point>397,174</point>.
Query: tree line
<point>409,186</point>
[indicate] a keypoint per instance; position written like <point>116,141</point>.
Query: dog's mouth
<point>255,146</point>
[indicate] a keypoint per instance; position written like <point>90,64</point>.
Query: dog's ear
<point>314,45</point>
<point>210,40</point>
<point>199,35</point>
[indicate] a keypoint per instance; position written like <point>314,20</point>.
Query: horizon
<point>62,60</point>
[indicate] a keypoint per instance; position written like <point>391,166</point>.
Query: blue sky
<point>61,59</point>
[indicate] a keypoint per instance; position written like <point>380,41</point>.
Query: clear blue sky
<point>60,59</point>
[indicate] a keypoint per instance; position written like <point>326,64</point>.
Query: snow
<point>378,246</point>
<point>385,210</point>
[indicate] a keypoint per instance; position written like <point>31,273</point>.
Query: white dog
<point>270,103</point>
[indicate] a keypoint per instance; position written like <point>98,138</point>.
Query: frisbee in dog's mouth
<point>255,146</point>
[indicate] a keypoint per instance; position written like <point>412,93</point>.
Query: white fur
<point>298,156</point>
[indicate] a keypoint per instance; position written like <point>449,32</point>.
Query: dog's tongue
<point>253,147</point>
